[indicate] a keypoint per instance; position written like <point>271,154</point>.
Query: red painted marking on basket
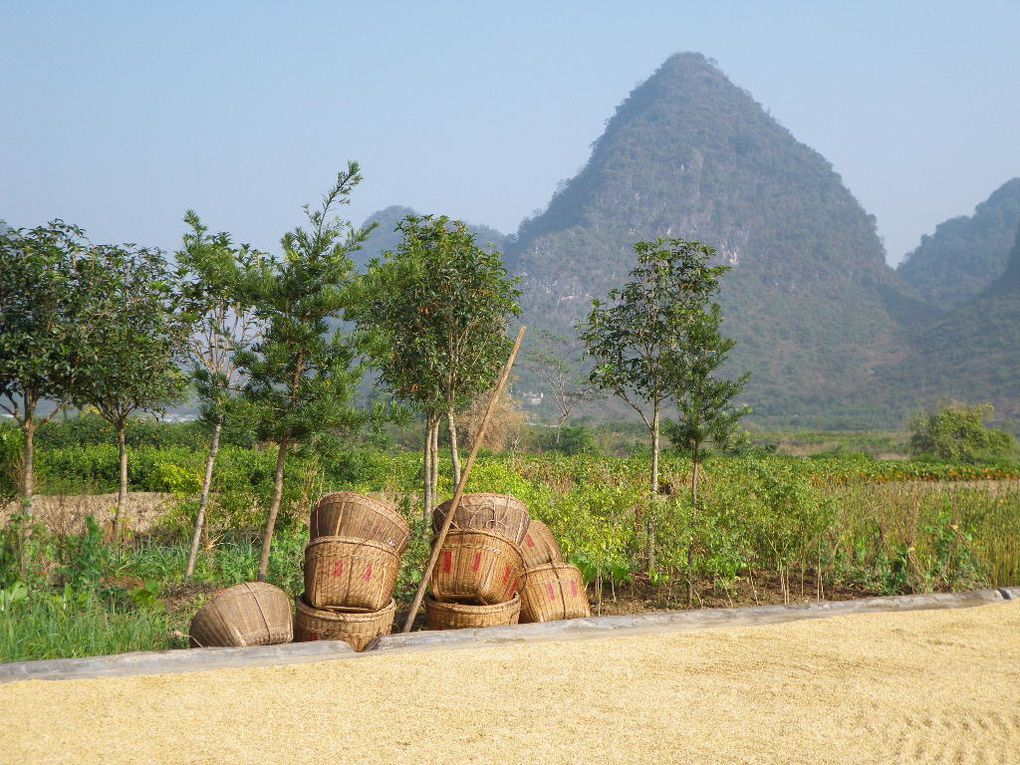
<point>573,589</point>
<point>529,540</point>
<point>368,573</point>
<point>551,590</point>
<point>338,568</point>
<point>507,573</point>
<point>447,561</point>
<point>476,564</point>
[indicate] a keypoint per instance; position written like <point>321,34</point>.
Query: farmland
<point>767,528</point>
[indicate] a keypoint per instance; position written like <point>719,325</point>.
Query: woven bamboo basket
<point>553,592</point>
<point>458,616</point>
<point>357,628</point>
<point>254,613</point>
<point>499,513</point>
<point>349,573</point>
<point>477,567</point>
<point>540,546</point>
<point>355,516</point>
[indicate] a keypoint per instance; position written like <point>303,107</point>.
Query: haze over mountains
<point>832,335</point>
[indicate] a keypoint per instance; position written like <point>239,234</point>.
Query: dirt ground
<point>66,514</point>
<point>919,687</point>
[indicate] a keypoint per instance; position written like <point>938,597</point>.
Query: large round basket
<point>499,513</point>
<point>458,616</point>
<point>355,516</point>
<point>254,613</point>
<point>540,546</point>
<point>477,567</point>
<point>349,573</point>
<point>553,592</point>
<point>358,628</point>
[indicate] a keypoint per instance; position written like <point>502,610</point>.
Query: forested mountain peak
<point>966,254</point>
<point>688,154</point>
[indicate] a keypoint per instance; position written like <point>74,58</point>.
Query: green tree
<point>301,374</point>
<point>557,363</point>
<point>138,332</point>
<point>958,432</point>
<point>210,270</point>
<point>704,402</point>
<point>43,272</point>
<point>436,311</point>
<point>641,338</point>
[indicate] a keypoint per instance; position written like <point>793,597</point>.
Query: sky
<point>121,116</point>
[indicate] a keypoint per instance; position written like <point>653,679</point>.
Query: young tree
<point>43,273</point>
<point>704,402</point>
<point>211,268</point>
<point>437,310</point>
<point>640,340</point>
<point>557,363</point>
<point>138,335</point>
<point>300,373</point>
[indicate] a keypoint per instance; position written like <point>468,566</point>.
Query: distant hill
<point>814,306</point>
<point>966,255</point>
<point>973,352</point>
<point>386,238</point>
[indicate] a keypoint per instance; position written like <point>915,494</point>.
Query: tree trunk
<point>435,459</point>
<point>559,426</point>
<point>426,473</point>
<point>454,452</point>
<point>204,500</point>
<point>118,518</point>
<point>696,459</point>
<point>650,522</point>
<point>27,487</point>
<point>267,537</point>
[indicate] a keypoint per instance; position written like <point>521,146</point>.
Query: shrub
<point>957,432</point>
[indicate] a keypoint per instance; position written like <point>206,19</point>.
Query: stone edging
<point>204,659</point>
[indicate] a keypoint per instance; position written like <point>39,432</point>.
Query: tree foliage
<point>958,432</point>
<point>301,372</point>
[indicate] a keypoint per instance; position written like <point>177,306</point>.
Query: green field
<point>769,528</point>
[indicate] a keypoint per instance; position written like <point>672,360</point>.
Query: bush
<point>957,432</point>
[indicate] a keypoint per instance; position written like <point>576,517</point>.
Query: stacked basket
<point>553,589</point>
<point>478,574</point>
<point>351,566</point>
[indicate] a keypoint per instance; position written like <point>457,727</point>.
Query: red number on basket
<point>447,561</point>
<point>573,589</point>
<point>529,540</point>
<point>476,564</point>
<point>507,573</point>
<point>338,568</point>
<point>551,590</point>
<point>368,573</point>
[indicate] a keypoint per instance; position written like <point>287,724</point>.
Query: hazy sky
<point>119,116</point>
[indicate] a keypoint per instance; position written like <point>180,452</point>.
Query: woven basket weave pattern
<point>477,567</point>
<point>356,516</point>
<point>456,616</point>
<point>349,573</point>
<point>498,513</point>
<point>358,629</point>
<point>254,613</point>
<point>540,546</point>
<point>553,592</point>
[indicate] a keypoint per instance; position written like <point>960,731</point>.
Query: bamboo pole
<point>476,444</point>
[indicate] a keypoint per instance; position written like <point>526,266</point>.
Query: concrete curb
<point>205,659</point>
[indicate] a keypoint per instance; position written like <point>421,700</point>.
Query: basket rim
<point>376,504</point>
<point>356,541</point>
<point>480,495</point>
<point>483,532</point>
<point>343,615</point>
<point>467,608</point>
<point>552,567</point>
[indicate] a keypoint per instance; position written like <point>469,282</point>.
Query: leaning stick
<point>475,445</point>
